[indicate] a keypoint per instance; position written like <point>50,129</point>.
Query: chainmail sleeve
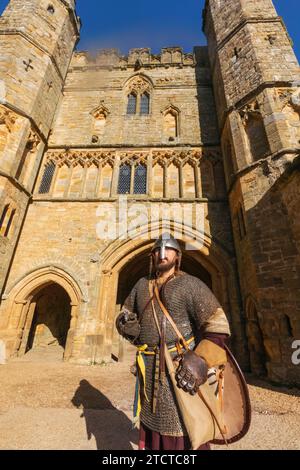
<point>131,301</point>
<point>209,315</point>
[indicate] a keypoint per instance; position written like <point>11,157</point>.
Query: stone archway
<point>210,261</point>
<point>256,347</point>
<point>50,321</point>
<point>26,297</point>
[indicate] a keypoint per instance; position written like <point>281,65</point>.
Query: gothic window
<point>47,179</point>
<point>138,92</point>
<point>145,104</point>
<point>140,179</point>
<point>124,179</point>
<point>131,106</point>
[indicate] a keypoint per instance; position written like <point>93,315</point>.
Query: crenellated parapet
<point>141,58</point>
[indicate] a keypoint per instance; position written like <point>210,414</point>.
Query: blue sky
<point>156,23</point>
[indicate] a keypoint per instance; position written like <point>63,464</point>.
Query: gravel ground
<point>47,404</point>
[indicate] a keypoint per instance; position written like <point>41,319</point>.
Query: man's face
<point>166,263</point>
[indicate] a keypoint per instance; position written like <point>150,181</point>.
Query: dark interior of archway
<point>139,267</point>
<point>52,316</point>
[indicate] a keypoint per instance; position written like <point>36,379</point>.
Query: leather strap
<point>162,362</point>
<point>157,357</point>
<point>170,319</point>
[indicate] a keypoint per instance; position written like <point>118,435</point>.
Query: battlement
<point>142,57</point>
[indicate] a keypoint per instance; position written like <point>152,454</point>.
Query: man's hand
<point>191,373</point>
<point>128,325</point>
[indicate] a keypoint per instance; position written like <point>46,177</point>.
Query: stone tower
<point>37,38</point>
<point>256,85</point>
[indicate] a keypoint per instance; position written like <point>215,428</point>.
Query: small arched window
<point>145,104</point>
<point>131,106</point>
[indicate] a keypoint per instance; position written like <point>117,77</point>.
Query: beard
<point>164,267</point>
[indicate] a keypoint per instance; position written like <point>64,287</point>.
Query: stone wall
<point>36,45</point>
<point>175,82</point>
<point>257,104</point>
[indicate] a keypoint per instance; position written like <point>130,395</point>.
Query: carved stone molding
<point>288,97</point>
<point>139,85</point>
<point>85,159</point>
<point>8,118</point>
<point>250,110</point>
<point>33,141</point>
<point>166,157</point>
<point>133,158</point>
<point>100,111</point>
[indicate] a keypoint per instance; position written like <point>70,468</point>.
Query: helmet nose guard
<point>164,243</point>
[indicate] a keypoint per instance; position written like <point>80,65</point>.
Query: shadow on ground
<point>115,433</point>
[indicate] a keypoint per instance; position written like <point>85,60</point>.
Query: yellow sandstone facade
<point>100,155</point>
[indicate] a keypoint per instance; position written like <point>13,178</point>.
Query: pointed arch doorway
<point>43,309</point>
<point>48,322</point>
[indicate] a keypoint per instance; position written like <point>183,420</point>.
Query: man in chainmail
<point>202,323</point>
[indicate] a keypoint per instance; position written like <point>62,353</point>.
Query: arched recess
<point>21,305</point>
<point>255,338</point>
<point>211,260</point>
<point>257,137</point>
<point>171,123</point>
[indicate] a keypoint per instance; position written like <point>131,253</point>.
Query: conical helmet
<point>166,242</point>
